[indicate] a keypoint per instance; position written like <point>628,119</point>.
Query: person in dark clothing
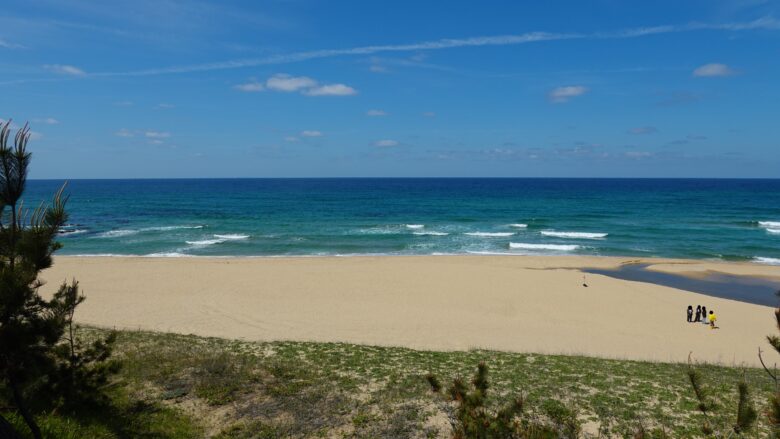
<point>690,313</point>
<point>698,313</point>
<point>704,314</point>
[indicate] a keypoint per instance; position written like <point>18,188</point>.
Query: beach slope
<point>526,304</point>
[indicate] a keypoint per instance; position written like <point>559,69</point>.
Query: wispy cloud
<point>64,69</point>
<point>386,143</point>
<point>250,87</point>
<point>311,133</point>
<point>164,106</point>
<point>47,121</point>
<point>713,69</point>
<point>643,130</point>
<point>564,94</point>
<point>123,104</point>
<point>688,139</point>
<point>157,134</point>
<point>638,154</point>
<point>765,23</point>
<point>124,132</point>
<point>331,90</point>
<point>376,113</point>
<point>9,45</point>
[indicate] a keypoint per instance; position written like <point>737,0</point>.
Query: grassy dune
<point>178,386</point>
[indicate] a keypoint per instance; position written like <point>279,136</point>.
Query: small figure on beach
<point>698,313</point>
<point>704,315</point>
<point>712,318</point>
<point>690,313</point>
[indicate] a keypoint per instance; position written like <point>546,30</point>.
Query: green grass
<point>178,386</point>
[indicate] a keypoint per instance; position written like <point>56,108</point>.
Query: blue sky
<point>297,88</point>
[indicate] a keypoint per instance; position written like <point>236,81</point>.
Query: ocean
<point>736,220</point>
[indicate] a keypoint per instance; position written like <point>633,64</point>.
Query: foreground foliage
<point>178,386</point>
<point>42,363</point>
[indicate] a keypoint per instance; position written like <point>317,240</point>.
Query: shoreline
<point>526,304</point>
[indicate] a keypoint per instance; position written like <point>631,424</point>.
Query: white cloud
<point>64,69</point>
<point>164,106</point>
<point>287,83</point>
<point>560,95</point>
<point>643,130</point>
<point>291,139</point>
<point>331,90</point>
<point>713,69</point>
<point>157,134</point>
<point>250,87</point>
<point>311,133</point>
<point>375,113</point>
<point>34,135</point>
<point>156,142</point>
<point>386,143</point>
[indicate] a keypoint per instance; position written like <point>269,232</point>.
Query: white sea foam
<point>519,226</point>
<point>768,261</point>
<point>205,242</point>
<point>116,233</point>
<point>490,234</point>
<point>218,239</point>
<point>431,233</point>
<point>67,232</point>
<point>770,224</point>
<point>127,232</point>
<point>774,231</point>
<point>574,235</point>
<point>167,228</point>
<point>380,231</point>
<point>415,226</point>
<point>553,247</point>
<point>232,236</point>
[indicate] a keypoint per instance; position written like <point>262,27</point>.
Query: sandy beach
<point>512,303</point>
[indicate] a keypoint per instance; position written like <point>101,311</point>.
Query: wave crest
<point>574,235</point>
<point>767,261</point>
<point>553,247</point>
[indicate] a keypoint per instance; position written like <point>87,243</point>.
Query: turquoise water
<point>708,219</point>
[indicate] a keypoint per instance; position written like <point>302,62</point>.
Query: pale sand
<point>510,303</point>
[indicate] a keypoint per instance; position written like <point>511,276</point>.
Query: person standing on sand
<point>712,318</point>
<point>690,313</point>
<point>698,313</point>
<point>704,314</point>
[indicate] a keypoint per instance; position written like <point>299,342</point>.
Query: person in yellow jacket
<point>712,318</point>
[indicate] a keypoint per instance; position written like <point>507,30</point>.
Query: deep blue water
<point>723,219</point>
